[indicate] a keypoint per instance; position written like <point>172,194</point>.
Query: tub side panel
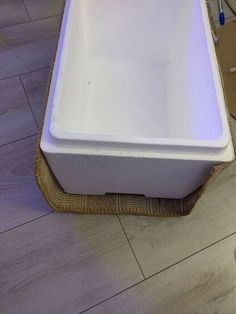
<point>97,175</point>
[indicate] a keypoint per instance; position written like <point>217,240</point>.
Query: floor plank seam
<point>26,95</point>
<point>24,73</point>
<point>191,255</point>
<point>25,223</point>
<point>18,140</point>
<point>131,247</point>
<point>26,9</point>
<point>159,272</point>
<point>31,21</point>
<point>113,296</point>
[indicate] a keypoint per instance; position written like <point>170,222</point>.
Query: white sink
<point>136,103</point>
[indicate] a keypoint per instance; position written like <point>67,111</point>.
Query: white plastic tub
<point>136,103</point>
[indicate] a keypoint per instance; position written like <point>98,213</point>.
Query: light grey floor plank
<point>35,84</point>
<point>159,243</point>
<point>25,33</point>
<point>27,58</point>
<point>64,263</point>
<point>20,198</point>
<point>43,8</point>
<point>203,284</point>
<point>16,119</point>
<point>28,46</point>
<point>12,12</point>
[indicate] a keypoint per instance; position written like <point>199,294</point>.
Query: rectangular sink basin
<point>136,103</point>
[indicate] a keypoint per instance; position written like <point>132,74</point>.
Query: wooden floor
<point>65,263</point>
